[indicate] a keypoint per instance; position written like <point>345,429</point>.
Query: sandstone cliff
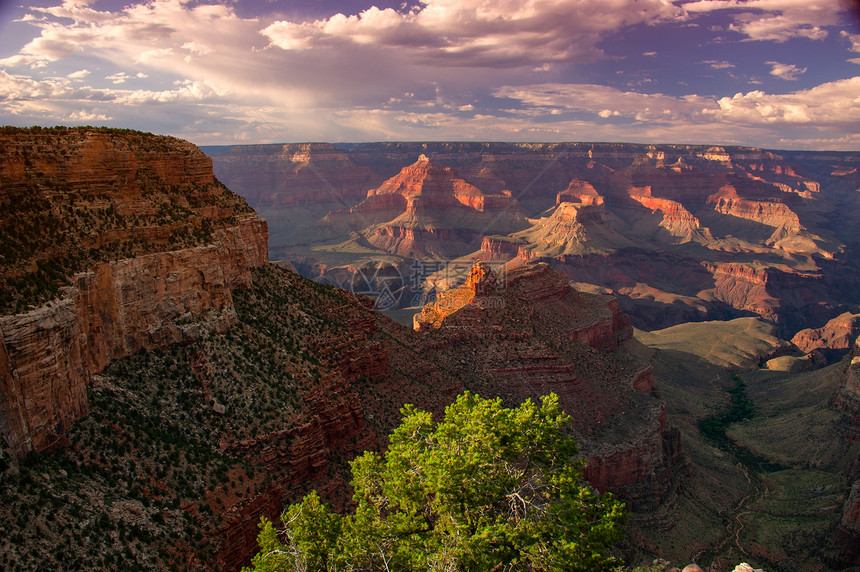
<point>613,204</point>
<point>848,398</point>
<point>168,246</point>
<point>428,211</point>
<point>839,333</point>
<point>523,332</point>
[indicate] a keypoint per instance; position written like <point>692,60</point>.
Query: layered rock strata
<point>523,332</point>
<point>173,290</point>
<point>839,333</point>
<point>780,213</point>
<point>428,211</point>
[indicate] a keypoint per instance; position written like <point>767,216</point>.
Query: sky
<point>778,74</point>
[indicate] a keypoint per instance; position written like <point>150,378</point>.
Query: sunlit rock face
<point>146,247</point>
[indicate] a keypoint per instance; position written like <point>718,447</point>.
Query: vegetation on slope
<point>51,227</point>
<point>488,488</point>
<point>143,481</point>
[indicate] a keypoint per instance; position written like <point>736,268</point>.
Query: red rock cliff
<point>169,291</point>
<point>523,332</point>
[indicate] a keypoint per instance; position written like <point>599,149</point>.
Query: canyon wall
<point>847,536</point>
<point>521,332</point>
<point>170,291</point>
<point>752,220</point>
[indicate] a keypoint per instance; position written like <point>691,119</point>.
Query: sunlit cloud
<point>441,69</point>
<point>830,105</point>
<point>478,33</point>
<point>774,20</point>
<point>719,64</point>
<point>785,71</point>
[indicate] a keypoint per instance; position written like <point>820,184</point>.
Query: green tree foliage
<point>488,488</point>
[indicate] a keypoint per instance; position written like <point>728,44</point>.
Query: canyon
<point>756,232</point>
<point>164,386</point>
<point>256,383</point>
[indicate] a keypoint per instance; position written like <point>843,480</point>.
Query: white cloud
<point>785,71</point>
<point>80,74</point>
<point>775,20</point>
<point>479,33</point>
<point>854,39</point>
<point>117,78</point>
<point>84,115</point>
<point>829,106</point>
<point>718,64</point>
<point>834,105</point>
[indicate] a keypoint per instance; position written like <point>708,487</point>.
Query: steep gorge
<point>172,284</point>
<point>179,389</point>
<point>783,214</point>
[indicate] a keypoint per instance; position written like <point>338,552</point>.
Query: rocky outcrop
<point>769,212</point>
<point>428,211</point>
<point>159,299</point>
<point>44,376</point>
<point>581,192</point>
<point>499,248</point>
<point>521,332</point>
<point>745,288</point>
<point>839,333</point>
<point>170,291</point>
<point>607,330</point>
<point>572,228</point>
<point>848,397</point>
<point>112,311</point>
<point>794,364</point>
<point>641,467</point>
<point>240,526</point>
<point>681,225</point>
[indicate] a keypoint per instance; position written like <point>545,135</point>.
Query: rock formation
<point>783,215</point>
<point>171,290</point>
<point>837,334</point>
<point>847,537</point>
<point>773,213</point>
<point>848,398</point>
<point>681,225</point>
<point>522,332</point>
<point>427,211</point>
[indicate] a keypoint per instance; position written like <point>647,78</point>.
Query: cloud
<point>829,106</point>
<point>479,33</point>
<point>442,69</point>
<point>785,71</point>
<point>84,115</point>
<point>832,105</point>
<point>117,78</point>
<point>718,65</point>
<point>605,101</point>
<point>774,20</point>
<point>854,39</point>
